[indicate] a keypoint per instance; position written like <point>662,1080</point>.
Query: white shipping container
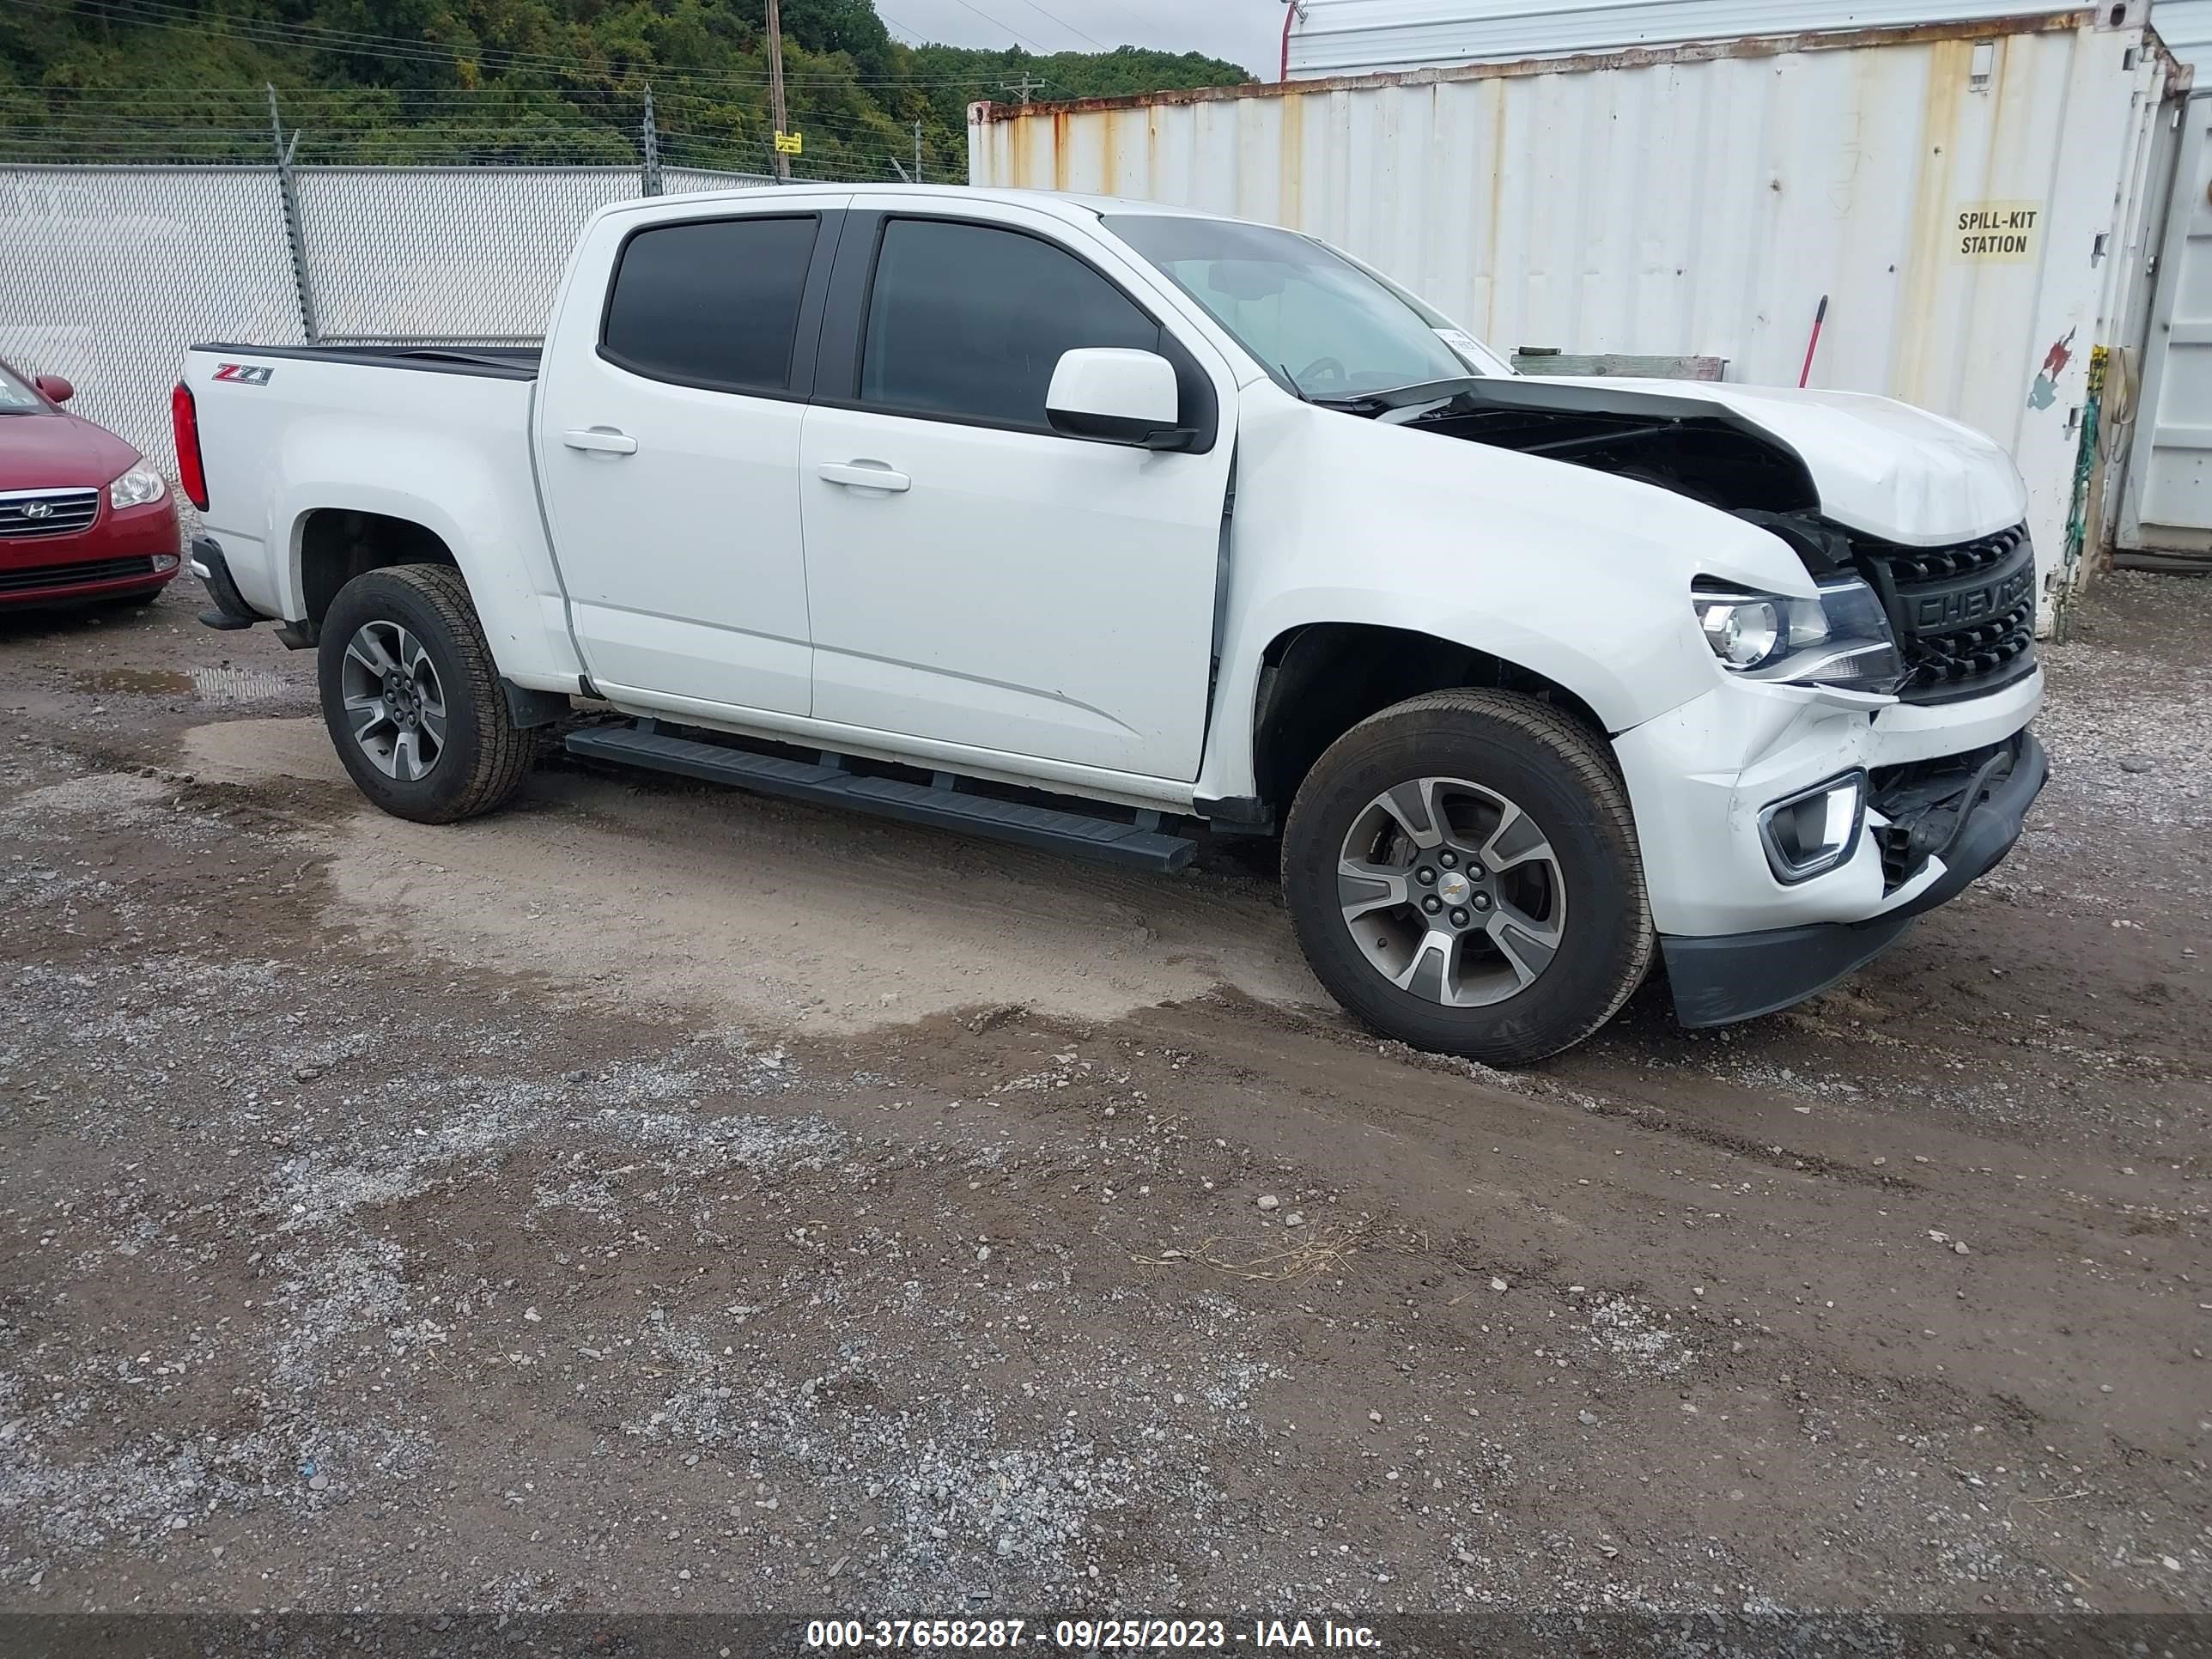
<point>2186,26</point>
<point>1375,37</point>
<point>1974,201</point>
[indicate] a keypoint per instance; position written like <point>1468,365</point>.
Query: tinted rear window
<point>713,302</point>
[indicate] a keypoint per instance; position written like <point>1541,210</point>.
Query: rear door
<point>667,444</point>
<point>1005,588</point>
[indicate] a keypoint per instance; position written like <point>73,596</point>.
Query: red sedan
<point>84,516</point>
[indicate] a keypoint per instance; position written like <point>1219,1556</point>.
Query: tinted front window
<point>970,322</point>
<point>713,302</point>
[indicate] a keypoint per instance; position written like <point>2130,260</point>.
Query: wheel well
<point>1317,683</point>
<point>337,543</point>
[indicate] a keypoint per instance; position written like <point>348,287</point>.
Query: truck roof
<point>1066,203</point>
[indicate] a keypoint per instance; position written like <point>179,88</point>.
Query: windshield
<point>15,397</point>
<point>1318,322</point>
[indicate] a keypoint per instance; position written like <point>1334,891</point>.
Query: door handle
<point>865,475</point>
<point>602,439</point>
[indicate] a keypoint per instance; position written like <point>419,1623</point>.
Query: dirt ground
<point>659,1198</point>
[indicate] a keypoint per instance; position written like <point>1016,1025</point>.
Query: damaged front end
<point>1921,810</point>
<point>1960,613</point>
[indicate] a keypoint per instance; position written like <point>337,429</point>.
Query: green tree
<point>491,81</point>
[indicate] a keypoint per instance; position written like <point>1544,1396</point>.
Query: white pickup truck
<point>1072,521</point>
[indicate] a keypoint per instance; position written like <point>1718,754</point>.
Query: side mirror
<point>1115,396</point>
<point>56,388</point>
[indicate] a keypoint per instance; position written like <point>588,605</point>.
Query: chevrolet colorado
<point>1070,520</point>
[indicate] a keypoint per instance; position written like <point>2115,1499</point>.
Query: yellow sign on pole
<point>788,143</point>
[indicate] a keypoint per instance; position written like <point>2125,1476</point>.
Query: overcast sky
<point>1247,32</point>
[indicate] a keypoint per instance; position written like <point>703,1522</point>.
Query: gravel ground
<point>601,1209</point>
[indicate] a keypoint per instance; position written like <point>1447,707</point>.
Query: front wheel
<point>412,698</point>
<point>1462,872</point>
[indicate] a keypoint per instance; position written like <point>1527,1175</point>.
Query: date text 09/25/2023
<point>1088,1635</point>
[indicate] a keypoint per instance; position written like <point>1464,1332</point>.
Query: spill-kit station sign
<point>1996,233</point>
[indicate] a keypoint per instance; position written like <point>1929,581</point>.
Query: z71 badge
<point>244,374</point>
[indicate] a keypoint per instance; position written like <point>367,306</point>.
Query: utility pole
<point>917,152</point>
<point>1024,86</point>
<point>775,87</point>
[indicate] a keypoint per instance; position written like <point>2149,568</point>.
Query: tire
<point>401,643</point>
<point>1542,947</point>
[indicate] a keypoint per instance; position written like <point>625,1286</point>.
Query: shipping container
<point>1977,203</point>
<point>1379,37</point>
<point>2186,26</point>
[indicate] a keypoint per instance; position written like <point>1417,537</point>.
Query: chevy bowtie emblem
<point>38,510</point>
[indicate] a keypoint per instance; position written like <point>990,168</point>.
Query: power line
<point>347,43</point>
<point>327,126</point>
<point>1034,6</point>
<point>996,23</point>
<point>1127,13</point>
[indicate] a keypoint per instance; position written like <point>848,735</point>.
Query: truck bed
<point>502,362</point>
<point>284,429</point>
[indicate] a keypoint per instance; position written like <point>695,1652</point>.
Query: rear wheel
<point>1463,875</point>
<point>412,698</point>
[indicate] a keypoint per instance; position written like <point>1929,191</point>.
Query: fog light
<point>165,562</point>
<point>1813,831</point>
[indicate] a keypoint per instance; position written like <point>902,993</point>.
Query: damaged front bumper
<point>1945,789</point>
<point>1955,838</point>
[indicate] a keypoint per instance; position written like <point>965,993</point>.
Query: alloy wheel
<point>1452,892</point>
<point>393,701</point>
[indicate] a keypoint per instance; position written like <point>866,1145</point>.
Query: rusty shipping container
<point>1978,201</point>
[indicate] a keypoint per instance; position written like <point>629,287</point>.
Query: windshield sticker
<point>1464,343</point>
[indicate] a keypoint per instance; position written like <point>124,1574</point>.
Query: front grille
<point>1964,615</point>
<point>48,512</point>
<point>69,576</point>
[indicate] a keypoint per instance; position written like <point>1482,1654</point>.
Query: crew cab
<point>1074,521</point>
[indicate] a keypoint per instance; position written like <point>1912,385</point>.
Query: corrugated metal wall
<point>1369,37</point>
<point>2186,26</point>
<point>1700,205</point>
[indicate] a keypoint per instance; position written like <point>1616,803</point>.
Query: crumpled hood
<point>1881,466</point>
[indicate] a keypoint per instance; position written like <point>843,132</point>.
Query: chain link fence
<point>108,272</point>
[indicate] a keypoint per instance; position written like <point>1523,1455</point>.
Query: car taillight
<point>190,473</point>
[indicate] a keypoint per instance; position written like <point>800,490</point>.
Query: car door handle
<point>865,475</point>
<point>602,439</point>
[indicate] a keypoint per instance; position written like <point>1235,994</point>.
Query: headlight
<point>1840,637</point>
<point>140,485</point>
<point>1744,633</point>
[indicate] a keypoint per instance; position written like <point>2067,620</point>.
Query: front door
<point>668,437</point>
<point>975,577</point>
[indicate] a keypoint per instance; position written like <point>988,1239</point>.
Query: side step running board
<point>1107,839</point>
